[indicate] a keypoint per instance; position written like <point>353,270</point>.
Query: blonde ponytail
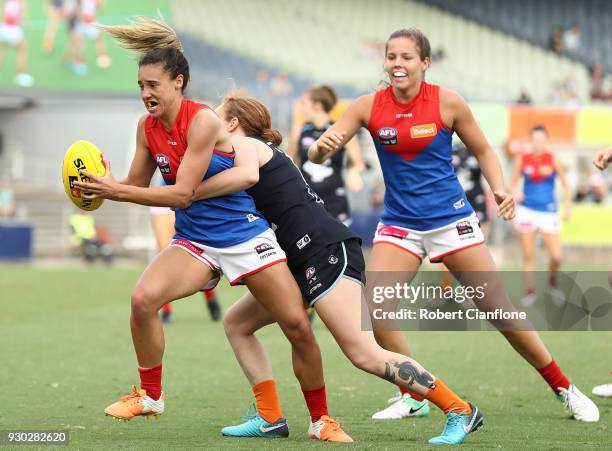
<point>145,35</point>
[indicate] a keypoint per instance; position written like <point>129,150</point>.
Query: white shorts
<point>161,211</point>
<point>11,34</point>
<point>529,220</point>
<point>239,261</point>
<point>435,243</point>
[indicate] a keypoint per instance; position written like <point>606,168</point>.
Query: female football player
<point>538,210</point>
<point>426,212</point>
<point>326,260</point>
<point>327,179</point>
<point>187,142</point>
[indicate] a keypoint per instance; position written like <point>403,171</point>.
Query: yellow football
<point>82,155</point>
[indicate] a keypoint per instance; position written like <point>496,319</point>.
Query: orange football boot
<point>328,430</point>
<point>136,404</point>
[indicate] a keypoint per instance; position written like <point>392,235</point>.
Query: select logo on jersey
<point>263,248</point>
<point>459,204</point>
<point>387,136</point>
<point>332,259</point>
<point>75,192</point>
<point>303,242</point>
<point>423,131</point>
<point>251,217</point>
<point>163,162</point>
<point>392,232</point>
<point>464,228</point>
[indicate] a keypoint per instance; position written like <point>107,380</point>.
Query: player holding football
<point>426,213</point>
<point>187,142</point>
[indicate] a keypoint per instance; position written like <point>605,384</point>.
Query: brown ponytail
<point>253,116</point>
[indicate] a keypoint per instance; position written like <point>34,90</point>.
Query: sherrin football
<point>82,155</point>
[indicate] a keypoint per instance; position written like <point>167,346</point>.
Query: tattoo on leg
<point>389,374</point>
<point>411,374</point>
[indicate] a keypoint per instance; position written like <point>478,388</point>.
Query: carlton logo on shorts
<point>387,136</point>
<point>310,272</point>
<point>464,228</point>
<point>332,259</point>
<point>163,162</point>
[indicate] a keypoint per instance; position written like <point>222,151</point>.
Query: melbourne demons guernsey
<point>414,148</point>
<point>539,185</point>
<point>218,222</point>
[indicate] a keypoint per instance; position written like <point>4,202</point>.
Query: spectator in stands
<point>524,98</point>
<point>280,85</point>
<point>598,91</point>
<point>571,39</point>
<point>7,201</point>
<point>85,238</point>
<point>11,33</point>
<point>556,41</point>
<point>262,78</point>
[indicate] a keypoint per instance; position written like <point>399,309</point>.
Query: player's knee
<point>298,330</point>
<point>231,323</point>
<point>144,302</point>
<point>555,259</point>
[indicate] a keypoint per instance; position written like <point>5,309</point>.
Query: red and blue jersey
<point>218,222</point>
<point>415,152</point>
<point>539,181</point>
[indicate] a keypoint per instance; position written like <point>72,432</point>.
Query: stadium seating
<point>534,21</point>
<point>331,42</point>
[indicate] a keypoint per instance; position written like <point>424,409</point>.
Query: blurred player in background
<point>325,258</point>
<point>426,211</point>
<point>84,30</point>
<point>187,142</point>
<point>327,179</point>
<point>55,13</point>
<point>601,161</point>
<point>537,211</point>
<point>162,221</point>
<point>11,34</point>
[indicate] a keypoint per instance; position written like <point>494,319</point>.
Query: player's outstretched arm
<point>343,130</point>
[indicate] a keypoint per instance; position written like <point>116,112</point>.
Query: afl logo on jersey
<point>163,162</point>
<point>387,136</point>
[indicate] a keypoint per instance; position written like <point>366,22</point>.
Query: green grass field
<point>66,353</point>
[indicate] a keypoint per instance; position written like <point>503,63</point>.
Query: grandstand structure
<point>533,21</point>
<point>335,42</point>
